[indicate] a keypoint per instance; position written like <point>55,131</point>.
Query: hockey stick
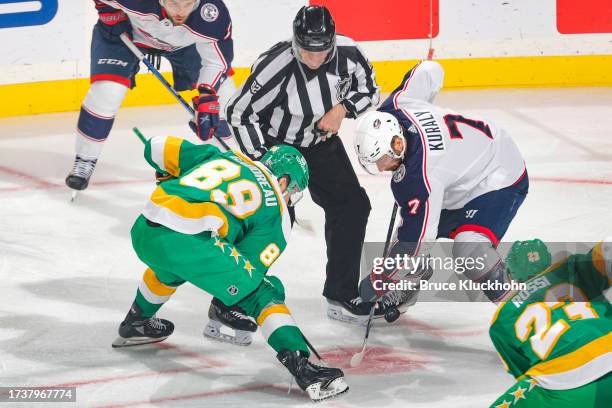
<point>358,357</point>
<point>140,135</point>
<point>141,57</point>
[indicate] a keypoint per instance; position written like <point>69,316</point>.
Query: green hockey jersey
<point>559,330</point>
<point>225,193</point>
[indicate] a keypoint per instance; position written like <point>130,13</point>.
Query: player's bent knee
<point>270,291</point>
<point>485,263</point>
<point>105,97</point>
<point>475,246</point>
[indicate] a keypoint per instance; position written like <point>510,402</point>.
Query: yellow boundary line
<point>511,72</point>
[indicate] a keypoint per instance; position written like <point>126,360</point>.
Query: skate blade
<point>212,330</point>
<point>135,341</point>
<point>333,389</point>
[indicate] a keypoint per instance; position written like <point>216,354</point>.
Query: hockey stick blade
<point>358,357</point>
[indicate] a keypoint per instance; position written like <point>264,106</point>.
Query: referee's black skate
<point>320,383</point>
<point>354,311</point>
<point>233,318</point>
<point>136,330</point>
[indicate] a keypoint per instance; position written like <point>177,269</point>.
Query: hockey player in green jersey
<point>555,337</point>
<point>219,221</point>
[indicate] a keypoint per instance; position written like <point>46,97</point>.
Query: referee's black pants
<point>335,188</point>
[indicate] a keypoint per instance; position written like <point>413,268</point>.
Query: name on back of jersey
<point>269,195</point>
<point>432,130</point>
<point>533,286</point>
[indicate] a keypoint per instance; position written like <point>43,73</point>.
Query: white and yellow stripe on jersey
<point>183,216</point>
<point>165,153</point>
<point>580,367</point>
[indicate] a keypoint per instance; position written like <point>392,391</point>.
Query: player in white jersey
<point>454,176</point>
<point>195,36</point>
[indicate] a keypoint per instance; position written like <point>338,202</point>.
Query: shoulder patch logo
<point>209,12</point>
<point>342,88</point>
<point>399,174</point>
<point>255,87</point>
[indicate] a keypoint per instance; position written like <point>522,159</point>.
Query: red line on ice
<point>40,182</point>
<point>542,179</point>
<point>570,181</point>
<point>206,362</point>
<point>51,186</point>
<point>420,325</point>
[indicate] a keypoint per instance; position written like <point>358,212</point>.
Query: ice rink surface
<point>68,274</point>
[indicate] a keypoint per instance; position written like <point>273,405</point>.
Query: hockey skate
<point>354,311</point>
<point>231,318</point>
<point>395,303</point>
<point>78,178</point>
<point>136,330</point>
<point>320,383</point>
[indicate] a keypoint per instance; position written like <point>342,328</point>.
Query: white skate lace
<point>156,324</point>
<point>238,314</point>
<point>356,301</point>
<point>83,168</point>
<point>394,298</point>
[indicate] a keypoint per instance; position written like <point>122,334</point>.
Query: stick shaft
<point>141,57</point>
<point>139,134</point>
<point>387,243</point>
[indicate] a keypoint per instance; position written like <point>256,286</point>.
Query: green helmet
<point>286,160</point>
<point>527,258</point>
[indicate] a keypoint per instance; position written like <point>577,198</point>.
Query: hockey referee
<point>298,93</point>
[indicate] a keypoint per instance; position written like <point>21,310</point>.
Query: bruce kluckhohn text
<point>411,265</point>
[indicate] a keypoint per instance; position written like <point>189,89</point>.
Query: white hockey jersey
<point>450,159</point>
<point>209,27</point>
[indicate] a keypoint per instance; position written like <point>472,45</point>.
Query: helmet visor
<point>313,57</point>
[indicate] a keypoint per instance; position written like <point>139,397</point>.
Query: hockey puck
<point>392,315</point>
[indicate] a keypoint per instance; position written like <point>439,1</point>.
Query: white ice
<point>68,273</point>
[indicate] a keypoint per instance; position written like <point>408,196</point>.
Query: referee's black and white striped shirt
<point>283,99</point>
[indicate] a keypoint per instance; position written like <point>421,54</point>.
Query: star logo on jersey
<point>518,394</point>
<point>234,253</point>
<point>209,12</point>
<point>249,268</point>
<point>532,383</point>
<point>504,404</point>
<point>220,244</point>
<point>342,87</point>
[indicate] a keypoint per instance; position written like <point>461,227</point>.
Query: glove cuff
<point>112,18</point>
